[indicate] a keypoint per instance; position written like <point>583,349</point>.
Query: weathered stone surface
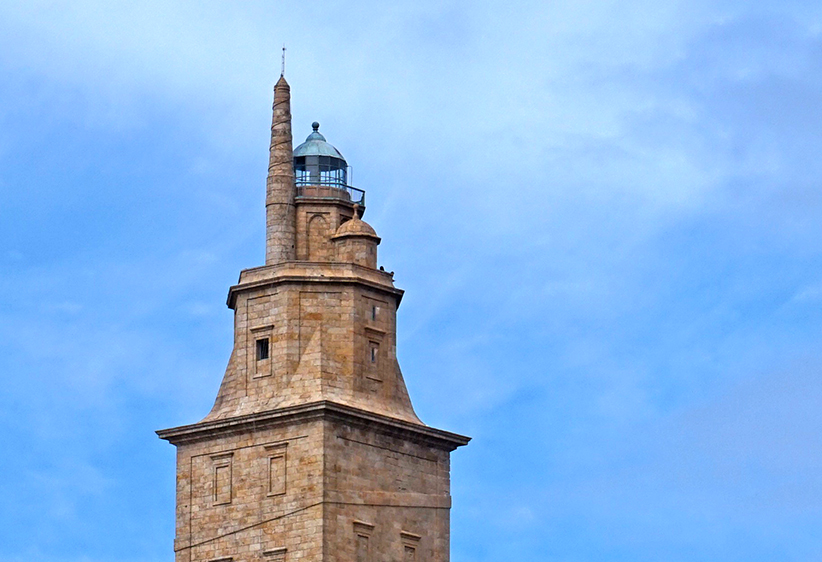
<point>312,450</point>
<point>280,186</point>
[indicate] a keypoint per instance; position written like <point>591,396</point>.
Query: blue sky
<point>606,216</point>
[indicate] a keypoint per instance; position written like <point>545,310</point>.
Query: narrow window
<point>410,545</point>
<point>372,361</point>
<point>221,483</point>
<point>275,554</point>
<point>362,548</point>
<point>373,312</point>
<point>362,532</point>
<point>262,349</point>
<point>276,471</point>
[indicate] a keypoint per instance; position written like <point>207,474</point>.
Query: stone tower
<point>312,451</point>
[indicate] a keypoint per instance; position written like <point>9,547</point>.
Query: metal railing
<point>330,190</point>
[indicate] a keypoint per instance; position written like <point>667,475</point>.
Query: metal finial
<point>282,70</point>
<point>316,126</point>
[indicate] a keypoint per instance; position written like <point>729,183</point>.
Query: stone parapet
<point>313,272</point>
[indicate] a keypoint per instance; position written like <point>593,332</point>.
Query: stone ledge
<point>387,499</point>
<point>313,272</point>
<point>317,410</point>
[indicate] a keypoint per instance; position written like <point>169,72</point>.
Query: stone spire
<point>280,187</point>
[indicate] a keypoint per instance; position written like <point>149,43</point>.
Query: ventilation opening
<point>262,349</point>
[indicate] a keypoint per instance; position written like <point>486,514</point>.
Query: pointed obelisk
<point>280,187</point>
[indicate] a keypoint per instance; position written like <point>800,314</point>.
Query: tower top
<point>312,449</point>
<point>316,145</point>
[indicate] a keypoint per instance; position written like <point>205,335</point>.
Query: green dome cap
<point>315,145</point>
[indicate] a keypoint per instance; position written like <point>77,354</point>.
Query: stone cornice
<point>316,410</point>
<point>313,272</point>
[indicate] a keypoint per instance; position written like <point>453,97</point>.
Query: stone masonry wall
<point>325,338</point>
<point>247,497</point>
<point>388,498</point>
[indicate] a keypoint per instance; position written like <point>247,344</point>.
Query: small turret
<point>356,242</point>
<point>324,202</point>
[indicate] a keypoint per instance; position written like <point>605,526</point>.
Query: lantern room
<point>321,171</point>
